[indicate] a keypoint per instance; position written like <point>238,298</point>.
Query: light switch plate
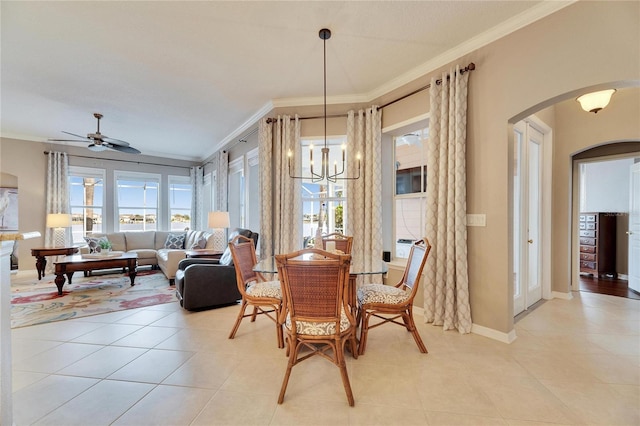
<point>476,220</point>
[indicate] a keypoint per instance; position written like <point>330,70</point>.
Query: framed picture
<point>8,209</point>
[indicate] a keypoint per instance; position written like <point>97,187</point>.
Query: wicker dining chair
<point>342,242</point>
<point>315,313</point>
<point>388,303</point>
<point>263,295</point>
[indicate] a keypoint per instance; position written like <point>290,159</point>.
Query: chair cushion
<point>313,328</point>
<point>265,289</point>
<point>380,293</point>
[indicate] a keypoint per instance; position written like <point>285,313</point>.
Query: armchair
<point>205,283</point>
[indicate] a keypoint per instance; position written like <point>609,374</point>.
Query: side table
<point>204,253</point>
<point>40,253</point>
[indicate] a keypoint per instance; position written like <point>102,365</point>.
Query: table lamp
<point>218,221</point>
<point>58,221</point>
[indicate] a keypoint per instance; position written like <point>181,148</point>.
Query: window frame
<point>84,173</point>
<point>137,177</point>
<point>179,180</point>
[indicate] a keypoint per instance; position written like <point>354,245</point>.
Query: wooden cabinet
<point>597,243</point>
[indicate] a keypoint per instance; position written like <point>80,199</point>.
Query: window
<point>86,201</point>
<point>137,201</point>
<point>180,194</point>
<point>411,186</point>
<point>323,203</point>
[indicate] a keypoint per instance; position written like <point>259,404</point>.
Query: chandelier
<point>325,169</point>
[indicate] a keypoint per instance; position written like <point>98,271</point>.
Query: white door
<point>527,187</point>
<point>634,228</point>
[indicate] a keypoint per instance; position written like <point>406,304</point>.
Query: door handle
<point>629,233</point>
<point>530,241</point>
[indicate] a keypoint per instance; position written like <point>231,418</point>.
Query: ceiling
<point>182,79</point>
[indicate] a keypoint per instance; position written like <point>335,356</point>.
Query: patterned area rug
<point>37,302</point>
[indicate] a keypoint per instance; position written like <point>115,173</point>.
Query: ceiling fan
<point>100,142</point>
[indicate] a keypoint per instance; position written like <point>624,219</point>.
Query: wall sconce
<point>218,221</point>
<point>594,102</point>
<point>58,221</point>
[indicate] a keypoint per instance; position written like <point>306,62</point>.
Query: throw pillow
<point>200,244</point>
<point>174,241</point>
<point>94,243</point>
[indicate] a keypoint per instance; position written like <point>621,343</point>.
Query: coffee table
<point>70,264</point>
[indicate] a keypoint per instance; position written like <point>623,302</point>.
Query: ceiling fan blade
<point>115,141</point>
<point>73,134</point>
<point>127,149</point>
<point>66,140</point>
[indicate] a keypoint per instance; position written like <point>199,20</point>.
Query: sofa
<point>152,248</point>
<point>206,283</point>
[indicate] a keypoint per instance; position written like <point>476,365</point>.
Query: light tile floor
<point>574,362</point>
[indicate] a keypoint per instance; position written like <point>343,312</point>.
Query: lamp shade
<point>594,102</point>
<point>218,220</point>
<point>58,220</point>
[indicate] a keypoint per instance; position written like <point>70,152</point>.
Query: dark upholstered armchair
<point>205,283</point>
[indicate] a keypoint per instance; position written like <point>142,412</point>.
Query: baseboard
<point>482,331</point>
<point>623,277</point>
<point>560,295</point>
<point>494,334</point>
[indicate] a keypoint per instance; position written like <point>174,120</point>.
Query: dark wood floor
<point>606,285</point>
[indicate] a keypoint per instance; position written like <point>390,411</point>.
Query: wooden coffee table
<point>70,264</point>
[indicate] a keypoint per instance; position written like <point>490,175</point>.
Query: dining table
<point>359,268</point>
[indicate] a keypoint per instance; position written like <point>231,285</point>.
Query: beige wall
<point>537,66</point>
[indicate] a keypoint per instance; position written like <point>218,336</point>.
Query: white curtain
<point>446,289</point>
<point>280,195</point>
<point>364,195</point>
<point>198,216</point>
<point>57,198</point>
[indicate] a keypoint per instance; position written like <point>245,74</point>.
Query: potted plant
<point>105,246</point>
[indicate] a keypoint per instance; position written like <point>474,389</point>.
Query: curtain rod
<point>124,161</point>
<point>468,68</point>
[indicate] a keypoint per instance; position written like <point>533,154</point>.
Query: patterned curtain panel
<point>57,197</point>
<point>198,221</point>
<point>222,177</point>
<point>280,195</point>
<point>446,289</point>
<point>364,195</point>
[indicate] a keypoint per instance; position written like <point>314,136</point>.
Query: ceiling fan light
<point>594,102</point>
<point>97,148</point>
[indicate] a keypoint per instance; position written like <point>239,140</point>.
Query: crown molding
<point>250,122</point>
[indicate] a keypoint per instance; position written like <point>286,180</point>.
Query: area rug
<point>37,302</point>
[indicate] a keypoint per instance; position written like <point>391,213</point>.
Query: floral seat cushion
<point>265,289</point>
<point>313,328</point>
<point>380,293</point>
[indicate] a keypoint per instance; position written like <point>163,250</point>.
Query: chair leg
<point>279,332</point>
<point>414,331</point>
<point>343,372</point>
<point>255,314</point>
<point>290,364</point>
<point>243,306</point>
<point>364,329</point>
